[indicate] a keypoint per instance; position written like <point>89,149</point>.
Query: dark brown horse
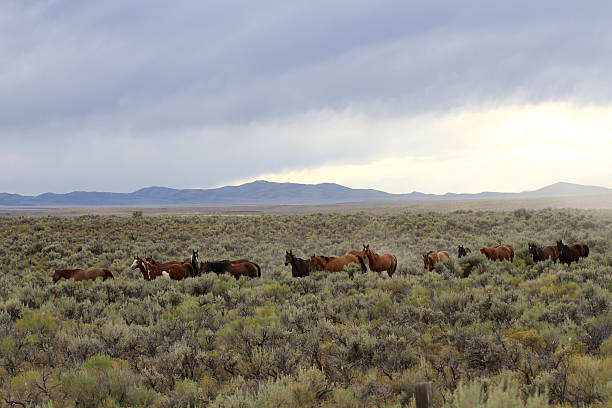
<point>499,252</point>
<point>333,263</point>
<point>432,257</point>
<point>379,263</point>
<point>248,268</point>
<point>542,253</point>
<point>461,251</point>
<point>572,252</point>
<point>172,270</point>
<point>82,274</point>
<point>299,267</point>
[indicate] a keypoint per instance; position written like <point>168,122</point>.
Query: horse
<point>82,274</point>
<point>248,269</point>
<point>432,257</point>
<point>194,260</point>
<point>333,263</point>
<point>299,267</point>
<point>243,260</point>
<point>172,270</point>
<point>379,263</point>
<point>572,252</point>
<point>500,252</point>
<point>542,253</point>
<point>461,251</point>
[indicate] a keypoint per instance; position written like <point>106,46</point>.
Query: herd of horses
<point>367,257</point>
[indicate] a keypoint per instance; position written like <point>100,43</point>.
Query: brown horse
<point>333,263</point>
<point>82,274</point>
<point>300,268</point>
<point>572,252</point>
<point>432,257</point>
<point>248,268</point>
<point>500,252</point>
<point>542,253</point>
<point>172,270</point>
<point>461,251</point>
<point>379,263</point>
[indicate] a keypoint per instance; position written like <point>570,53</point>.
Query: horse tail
<point>586,250</point>
<point>258,269</point>
<point>108,274</point>
<point>393,267</point>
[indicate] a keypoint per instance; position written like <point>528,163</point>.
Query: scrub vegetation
<point>486,334</point>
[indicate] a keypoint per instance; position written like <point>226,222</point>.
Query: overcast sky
<point>432,96</point>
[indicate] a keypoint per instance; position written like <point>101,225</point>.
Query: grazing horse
<point>542,253</point>
<point>333,263</point>
<point>379,263</point>
<point>500,252</point>
<point>172,270</point>
<point>572,252</point>
<point>243,260</point>
<point>82,274</point>
<point>299,267</point>
<point>461,251</point>
<point>432,257</point>
<point>248,269</point>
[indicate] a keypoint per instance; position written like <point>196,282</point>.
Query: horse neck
<point>372,256</point>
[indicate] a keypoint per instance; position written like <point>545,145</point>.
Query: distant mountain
<point>265,192</point>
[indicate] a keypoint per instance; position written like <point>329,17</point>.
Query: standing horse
<point>299,267</point>
<point>500,252</point>
<point>572,252</point>
<point>432,257</point>
<point>82,274</point>
<point>461,251</point>
<point>379,263</point>
<point>237,270</point>
<point>194,260</point>
<point>542,253</point>
<point>333,263</point>
<point>149,271</point>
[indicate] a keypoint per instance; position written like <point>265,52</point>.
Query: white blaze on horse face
<point>165,274</point>
<point>134,264</point>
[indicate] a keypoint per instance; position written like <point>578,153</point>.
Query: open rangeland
<point>326,339</point>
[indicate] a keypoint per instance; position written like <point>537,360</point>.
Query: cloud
<point>193,94</point>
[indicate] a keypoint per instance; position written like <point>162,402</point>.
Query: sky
<point>431,96</point>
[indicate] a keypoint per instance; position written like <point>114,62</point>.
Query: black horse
<point>194,261</point>
<point>461,251</point>
<point>299,267</point>
<point>572,252</point>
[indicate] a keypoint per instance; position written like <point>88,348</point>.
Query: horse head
<point>289,257</point>
<point>61,273</point>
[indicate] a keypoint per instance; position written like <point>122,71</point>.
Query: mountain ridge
<point>267,192</point>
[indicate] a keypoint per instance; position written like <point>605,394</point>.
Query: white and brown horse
<point>172,270</point>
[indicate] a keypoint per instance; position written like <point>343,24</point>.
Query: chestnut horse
<point>461,251</point>
<point>500,252</point>
<point>379,263</point>
<point>172,270</point>
<point>248,268</point>
<point>432,257</point>
<point>572,252</point>
<point>333,263</point>
<point>82,274</point>
<point>299,267</point>
<point>542,253</point>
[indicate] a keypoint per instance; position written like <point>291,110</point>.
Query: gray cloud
<point>189,80</point>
